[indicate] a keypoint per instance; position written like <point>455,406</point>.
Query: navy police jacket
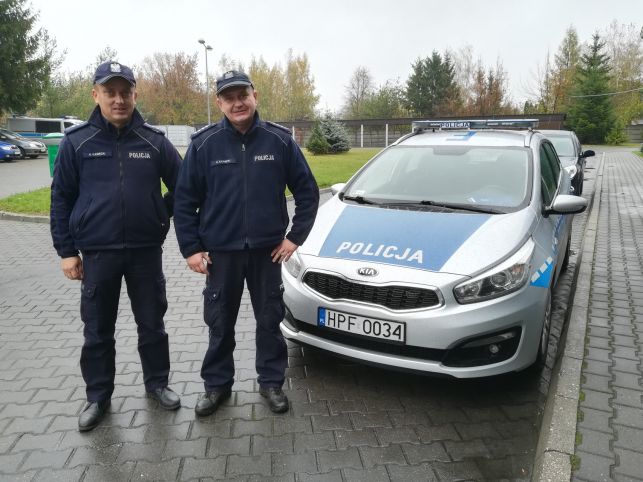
<point>106,188</point>
<point>231,189</point>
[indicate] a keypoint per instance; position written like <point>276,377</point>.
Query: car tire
<point>545,335</point>
<point>568,250</point>
<point>33,157</point>
<point>23,154</point>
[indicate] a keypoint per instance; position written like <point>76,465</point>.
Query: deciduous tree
<point>624,45</point>
<point>386,102</point>
<point>357,93</point>
<point>168,86</point>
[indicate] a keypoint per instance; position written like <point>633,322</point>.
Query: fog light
<point>488,349</point>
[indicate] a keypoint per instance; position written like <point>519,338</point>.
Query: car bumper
<point>433,335</point>
<point>35,151</point>
<point>10,156</point>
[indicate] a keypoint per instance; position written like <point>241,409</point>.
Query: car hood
<point>567,161</point>
<point>457,243</point>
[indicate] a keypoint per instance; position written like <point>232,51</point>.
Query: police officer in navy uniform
<point>231,221</point>
<point>106,202</point>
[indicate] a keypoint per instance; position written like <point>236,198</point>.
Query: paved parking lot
<point>347,421</point>
<point>24,175</point>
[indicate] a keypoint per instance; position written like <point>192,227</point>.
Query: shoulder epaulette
<point>203,129</point>
<point>154,129</point>
<point>76,127</point>
<point>279,126</point>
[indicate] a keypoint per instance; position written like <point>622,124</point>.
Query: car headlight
<point>293,265</point>
<point>571,170</point>
<point>507,277</point>
<point>6,148</point>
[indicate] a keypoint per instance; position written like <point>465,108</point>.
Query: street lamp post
<point>207,78</point>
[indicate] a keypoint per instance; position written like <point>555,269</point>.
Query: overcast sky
<point>337,35</point>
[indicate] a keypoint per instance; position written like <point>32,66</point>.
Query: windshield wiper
<point>454,206</point>
<point>358,199</point>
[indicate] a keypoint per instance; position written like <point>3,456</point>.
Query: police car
<point>440,255</point>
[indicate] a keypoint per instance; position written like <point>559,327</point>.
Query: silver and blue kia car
<point>440,255</point>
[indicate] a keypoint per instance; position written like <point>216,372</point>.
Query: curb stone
<point>556,442</point>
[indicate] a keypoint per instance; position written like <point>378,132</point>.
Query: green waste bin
<point>52,141</point>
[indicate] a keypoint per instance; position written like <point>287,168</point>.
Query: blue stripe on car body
<point>416,239</point>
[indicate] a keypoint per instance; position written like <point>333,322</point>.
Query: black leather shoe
<point>92,414</point>
<point>277,399</point>
<point>166,397</point>
<point>210,401</point>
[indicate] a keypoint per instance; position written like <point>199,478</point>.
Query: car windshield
<point>11,135</point>
<point>468,178</point>
<point>563,145</point>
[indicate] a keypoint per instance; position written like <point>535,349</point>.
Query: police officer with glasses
<point>231,222</point>
<point>106,203</point>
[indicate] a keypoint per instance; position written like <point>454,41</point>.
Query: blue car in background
<point>8,152</point>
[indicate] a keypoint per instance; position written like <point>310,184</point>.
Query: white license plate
<point>360,325</point>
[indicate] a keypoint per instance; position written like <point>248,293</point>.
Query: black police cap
<point>232,78</point>
<point>109,70</point>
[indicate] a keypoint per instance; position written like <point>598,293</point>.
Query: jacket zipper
<point>122,174</point>
<point>245,195</point>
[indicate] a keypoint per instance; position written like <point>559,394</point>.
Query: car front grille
<point>392,297</point>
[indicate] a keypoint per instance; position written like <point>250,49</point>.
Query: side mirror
<point>567,204</point>
<point>335,188</point>
<point>588,153</point>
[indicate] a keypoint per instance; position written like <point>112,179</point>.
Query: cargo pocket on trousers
<point>88,309</point>
<point>211,305</point>
<point>274,310</point>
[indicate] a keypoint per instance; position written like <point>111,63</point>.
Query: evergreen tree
<point>317,143</point>
<point>24,57</point>
<point>431,86</point>
<point>328,136</point>
<point>591,113</point>
<point>335,134</point>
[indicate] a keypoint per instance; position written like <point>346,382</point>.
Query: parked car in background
<point>440,255</point>
<point>28,147</point>
<point>571,155</point>
<point>8,152</point>
<point>38,127</point>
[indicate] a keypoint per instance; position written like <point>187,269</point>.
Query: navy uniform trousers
<point>104,270</point>
<point>221,299</point>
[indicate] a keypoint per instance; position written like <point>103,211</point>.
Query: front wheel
<point>23,154</point>
<point>545,336</point>
<point>568,251</point>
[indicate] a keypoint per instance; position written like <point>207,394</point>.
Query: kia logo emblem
<point>367,271</point>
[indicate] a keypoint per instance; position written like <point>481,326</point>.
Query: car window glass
<point>564,145</point>
<point>553,159</point>
<point>548,173</point>
<point>47,126</point>
<point>489,176</point>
